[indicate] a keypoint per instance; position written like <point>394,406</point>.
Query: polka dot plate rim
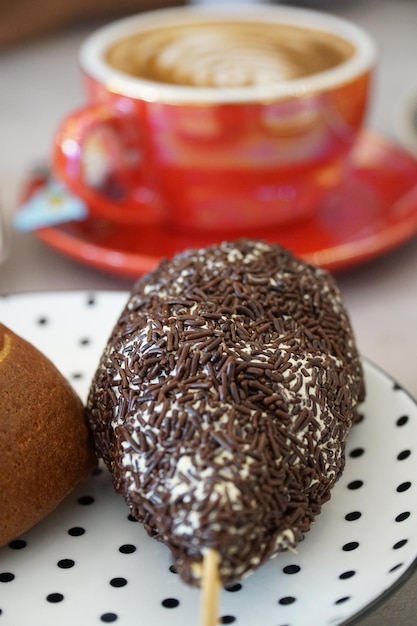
<point>89,562</point>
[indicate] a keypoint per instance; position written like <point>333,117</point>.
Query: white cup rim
<point>92,61</point>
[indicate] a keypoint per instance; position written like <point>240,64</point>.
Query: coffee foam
<point>227,54</point>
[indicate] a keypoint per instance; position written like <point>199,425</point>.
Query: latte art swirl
<point>227,54</point>
<point>218,59</point>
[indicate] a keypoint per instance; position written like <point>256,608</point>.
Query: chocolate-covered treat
<point>222,402</point>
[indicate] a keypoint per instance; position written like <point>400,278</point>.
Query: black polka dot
<point>355,484</point>
<point>403,516</point>
<point>173,569</point>
<point>85,341</point>
<point>352,516</point>
<point>85,500</point>
<point>18,544</point>
<point>97,471</point>
<point>286,600</point>
<point>397,387</point>
<point>401,421</point>
<point>356,452</point>
<point>403,455</point>
<point>131,518</point>
<point>404,486</point>
<point>127,548</point>
<point>77,375</point>
<point>351,545</point>
<point>400,544</point>
<point>291,569</point>
<point>118,582</point>
<point>108,617</point>
<point>227,619</point>
<point>76,531</point>
<point>170,603</point>
<point>342,600</point>
<point>234,588</point>
<point>6,577</point>
<point>394,569</point>
<point>66,563</point>
<point>42,321</point>
<point>346,575</point>
<point>55,597</point>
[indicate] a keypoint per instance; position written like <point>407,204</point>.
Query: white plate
<point>108,571</point>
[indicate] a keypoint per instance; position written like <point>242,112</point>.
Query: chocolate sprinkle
<point>222,402</point>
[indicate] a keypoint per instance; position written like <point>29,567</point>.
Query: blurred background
<point>40,81</point>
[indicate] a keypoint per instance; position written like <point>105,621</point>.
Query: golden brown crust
<point>45,447</point>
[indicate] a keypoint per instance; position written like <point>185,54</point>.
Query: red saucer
<point>373,211</point>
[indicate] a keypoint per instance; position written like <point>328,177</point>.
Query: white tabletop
<point>40,83</point>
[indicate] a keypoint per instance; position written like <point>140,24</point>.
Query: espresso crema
<point>227,54</point>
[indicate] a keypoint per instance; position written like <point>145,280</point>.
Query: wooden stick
<point>210,588</point>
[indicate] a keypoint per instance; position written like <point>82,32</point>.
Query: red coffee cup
<point>223,137</point>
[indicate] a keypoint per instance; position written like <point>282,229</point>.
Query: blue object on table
<point>49,205</point>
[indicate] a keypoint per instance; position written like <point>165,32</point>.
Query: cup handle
<point>124,195</point>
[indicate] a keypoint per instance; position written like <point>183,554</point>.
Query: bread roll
<point>44,441</point>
